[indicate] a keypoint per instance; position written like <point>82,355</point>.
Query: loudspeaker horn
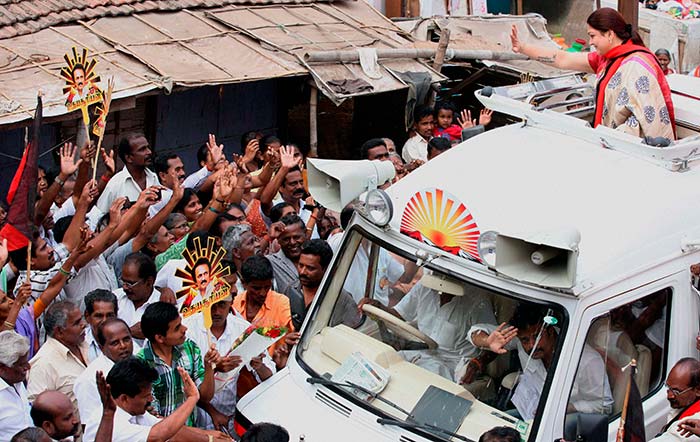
<point>335,183</point>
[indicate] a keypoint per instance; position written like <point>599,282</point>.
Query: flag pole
<point>29,259</point>
<point>623,417</point>
<point>107,100</point>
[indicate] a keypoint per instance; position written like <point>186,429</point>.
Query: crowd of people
<point>93,308</point>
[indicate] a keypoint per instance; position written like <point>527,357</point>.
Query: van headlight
<point>378,208</point>
<point>486,246</point>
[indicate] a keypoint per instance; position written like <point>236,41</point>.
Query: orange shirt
<point>275,312</point>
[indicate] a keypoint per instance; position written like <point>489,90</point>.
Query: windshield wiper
<point>432,429</point>
<point>323,381</point>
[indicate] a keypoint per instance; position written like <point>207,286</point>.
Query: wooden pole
<point>630,11</point>
<point>106,102</point>
<point>29,260</point>
<point>439,59</point>
<point>313,122</point>
<point>623,416</point>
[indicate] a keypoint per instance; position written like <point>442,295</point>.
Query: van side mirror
<point>586,427</point>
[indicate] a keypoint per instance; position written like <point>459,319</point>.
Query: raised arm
<point>575,61</point>
<point>216,162</point>
<point>68,167</point>
<point>169,426</point>
<point>287,162</point>
<point>152,225</point>
<point>72,237</point>
<point>104,239</point>
<point>133,218</point>
<point>87,153</point>
<point>222,190</point>
<point>110,168</point>
<point>109,407</point>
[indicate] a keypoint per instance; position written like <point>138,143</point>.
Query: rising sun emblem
<point>437,218</point>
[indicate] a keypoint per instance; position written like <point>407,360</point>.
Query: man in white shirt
<point>168,167</point>
<point>14,412</point>
<point>416,148</point>
<point>536,343</point>
<point>100,305</point>
<point>130,382</point>
<point>136,154</point>
<point>116,345</point>
<point>446,318</point>
<point>137,292</point>
<point>225,329</point>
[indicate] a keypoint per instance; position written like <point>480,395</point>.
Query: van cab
<point>582,237</point>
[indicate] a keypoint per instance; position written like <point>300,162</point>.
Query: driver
<point>446,318</point>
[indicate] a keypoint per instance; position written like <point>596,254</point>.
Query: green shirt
<point>168,393</point>
<point>173,252</point>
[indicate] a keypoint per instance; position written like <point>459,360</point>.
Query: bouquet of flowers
<point>272,333</point>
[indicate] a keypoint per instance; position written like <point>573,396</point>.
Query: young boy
<point>416,148</point>
<point>444,121</point>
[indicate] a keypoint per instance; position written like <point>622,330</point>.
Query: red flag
<point>21,197</point>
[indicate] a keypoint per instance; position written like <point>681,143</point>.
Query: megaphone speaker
<point>335,183</point>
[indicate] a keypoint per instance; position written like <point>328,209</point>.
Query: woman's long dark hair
<point>608,19</point>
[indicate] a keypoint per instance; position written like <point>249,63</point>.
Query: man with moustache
<point>53,412</point>
<point>64,354</point>
<point>137,292</point>
<point>313,261</point>
<point>130,384</point>
<point>240,244</point>
<point>169,168</point>
<point>284,262</point>
<point>289,182</point>
<point>683,394</point>
<point>100,305</point>
<point>114,338</point>
<point>528,325</point>
<point>136,154</point>
<point>14,412</point>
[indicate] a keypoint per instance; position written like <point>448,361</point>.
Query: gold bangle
<point>10,325</point>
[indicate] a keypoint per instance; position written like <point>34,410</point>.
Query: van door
<point>641,324</point>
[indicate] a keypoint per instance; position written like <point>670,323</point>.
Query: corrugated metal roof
<point>298,29</point>
<point>162,50</point>
<point>490,32</point>
<point>21,17</point>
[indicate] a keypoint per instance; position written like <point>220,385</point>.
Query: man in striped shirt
<point>167,349</point>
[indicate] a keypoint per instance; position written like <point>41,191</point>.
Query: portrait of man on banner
<point>80,81</point>
<point>203,279</point>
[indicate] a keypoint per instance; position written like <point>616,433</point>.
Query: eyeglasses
<point>130,285</point>
<point>677,392</point>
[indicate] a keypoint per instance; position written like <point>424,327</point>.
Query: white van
<point>588,226</point>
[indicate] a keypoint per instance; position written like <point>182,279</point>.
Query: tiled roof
<point>20,17</point>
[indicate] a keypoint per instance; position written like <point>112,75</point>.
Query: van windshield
<point>409,335</point>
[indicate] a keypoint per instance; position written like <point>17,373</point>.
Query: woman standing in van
<point>632,94</point>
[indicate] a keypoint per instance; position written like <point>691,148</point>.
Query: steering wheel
<point>399,326</point>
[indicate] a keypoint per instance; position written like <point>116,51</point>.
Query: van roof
<point>526,179</point>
